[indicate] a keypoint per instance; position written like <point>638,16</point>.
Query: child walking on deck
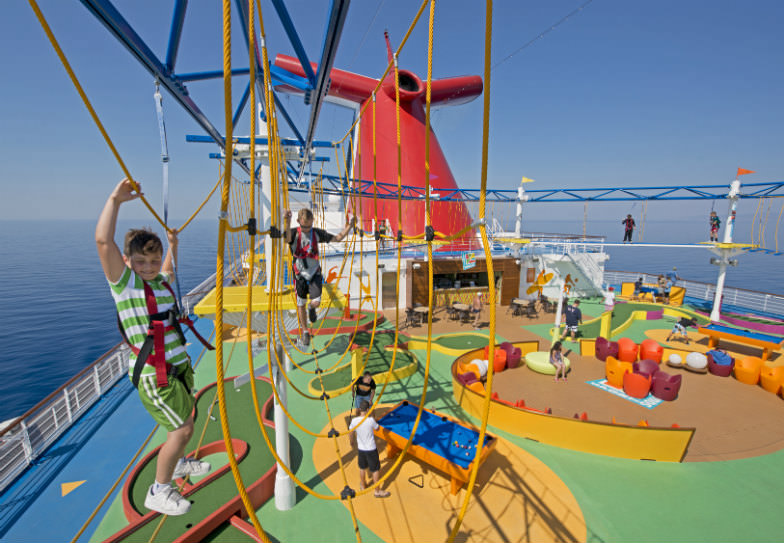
<point>138,277</point>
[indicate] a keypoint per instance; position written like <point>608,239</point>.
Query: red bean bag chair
<point>650,349</point>
<point>513,354</point>
<point>645,367</point>
<point>604,348</point>
<point>636,385</point>
<point>499,359</point>
<point>722,370</point>
<point>666,386</point>
<point>627,350</point>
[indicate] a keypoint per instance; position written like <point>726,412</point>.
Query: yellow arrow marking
<point>67,488</point>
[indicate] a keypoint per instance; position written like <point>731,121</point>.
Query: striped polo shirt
<point>128,294</point>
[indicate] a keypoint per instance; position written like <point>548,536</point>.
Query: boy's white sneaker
<point>167,501</point>
<point>192,467</point>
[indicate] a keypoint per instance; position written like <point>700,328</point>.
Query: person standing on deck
<point>609,299</point>
<point>573,317</point>
<point>367,452</point>
<point>476,309</point>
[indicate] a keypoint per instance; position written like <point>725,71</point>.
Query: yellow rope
<point>114,486</point>
<point>754,218</point>
<point>490,271</point>
<point>88,105</point>
<point>776,231</point>
<point>219,272</point>
<point>764,224</point>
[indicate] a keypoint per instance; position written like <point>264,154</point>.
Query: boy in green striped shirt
<point>170,404</point>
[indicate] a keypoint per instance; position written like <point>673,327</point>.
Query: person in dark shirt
<point>680,328</point>
<point>364,389</point>
<point>637,288</point>
<point>628,228</point>
<point>303,242</point>
<point>573,317</point>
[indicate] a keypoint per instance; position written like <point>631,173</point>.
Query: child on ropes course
<point>303,242</point>
<point>715,223</point>
<point>138,278</point>
<point>628,228</point>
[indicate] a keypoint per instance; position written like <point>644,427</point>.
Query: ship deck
<point>526,491</point>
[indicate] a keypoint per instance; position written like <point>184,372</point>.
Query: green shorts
<point>171,405</point>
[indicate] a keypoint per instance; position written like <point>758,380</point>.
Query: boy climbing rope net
<point>303,242</point>
<point>159,365</point>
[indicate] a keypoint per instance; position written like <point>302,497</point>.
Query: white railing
<point>26,438</point>
<point>752,300</point>
<point>23,440</point>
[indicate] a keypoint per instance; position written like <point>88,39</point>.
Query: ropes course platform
<point>235,300</point>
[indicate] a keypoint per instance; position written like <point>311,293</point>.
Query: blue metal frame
<point>178,19</point>
<point>107,14</point>
<point>118,26</point>
<point>337,17</point>
<point>296,43</point>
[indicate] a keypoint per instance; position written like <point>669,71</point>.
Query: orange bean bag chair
<point>636,385</point>
<point>747,370</point>
<point>615,370</point>
<point>651,350</point>
<point>499,359</point>
<point>627,350</point>
<point>477,387</point>
<point>771,378</point>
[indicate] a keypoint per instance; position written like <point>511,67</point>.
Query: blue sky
<point>623,93</point>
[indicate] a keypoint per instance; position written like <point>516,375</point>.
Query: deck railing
<point>24,439</point>
<point>757,302</point>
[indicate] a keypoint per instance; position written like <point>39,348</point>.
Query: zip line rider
<point>303,243</point>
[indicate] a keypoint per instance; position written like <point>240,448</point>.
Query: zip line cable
<point>543,33</point>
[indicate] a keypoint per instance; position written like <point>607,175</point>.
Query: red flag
<point>742,171</point>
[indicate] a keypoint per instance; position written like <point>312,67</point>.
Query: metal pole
<point>284,486</point>
<point>733,196</point>
<point>557,329</point>
<point>724,253</point>
<point>266,205</point>
<point>519,215</point>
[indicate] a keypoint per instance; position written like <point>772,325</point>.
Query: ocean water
<point>58,316</point>
<point>57,312</point>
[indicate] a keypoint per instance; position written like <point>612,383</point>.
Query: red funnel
<point>447,217</point>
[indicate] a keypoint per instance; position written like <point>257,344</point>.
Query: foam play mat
<point>649,402</point>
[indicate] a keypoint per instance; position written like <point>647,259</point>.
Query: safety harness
<point>301,254</point>
<point>153,350</point>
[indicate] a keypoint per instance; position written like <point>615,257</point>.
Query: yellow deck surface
<point>517,498</point>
